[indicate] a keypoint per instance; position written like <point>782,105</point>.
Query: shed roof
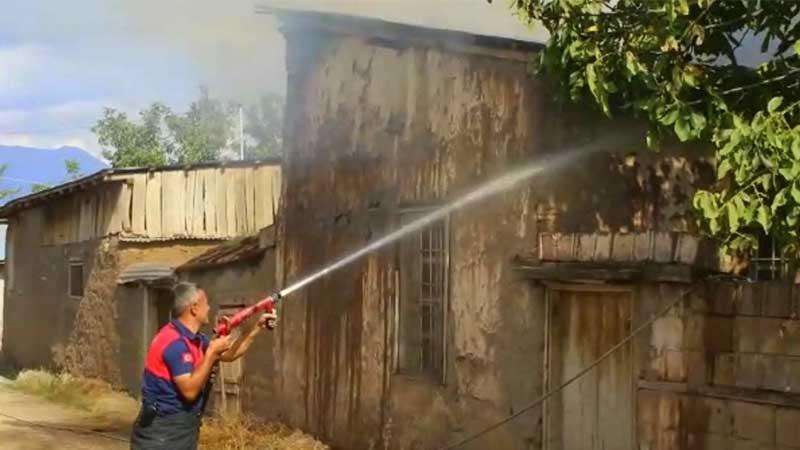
<point>110,175</point>
<point>238,250</point>
<point>383,31</point>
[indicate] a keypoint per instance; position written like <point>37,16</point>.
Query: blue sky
<point>62,62</point>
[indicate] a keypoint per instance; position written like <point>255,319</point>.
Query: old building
<point>90,262</point>
<point>457,327</point>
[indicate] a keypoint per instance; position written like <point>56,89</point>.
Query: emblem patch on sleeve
<point>187,358</point>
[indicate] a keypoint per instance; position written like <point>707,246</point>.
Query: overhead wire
<point>572,379</point>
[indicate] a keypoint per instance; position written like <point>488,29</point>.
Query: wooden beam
<point>673,273</point>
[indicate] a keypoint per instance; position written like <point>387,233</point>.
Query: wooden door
<point>596,411</point>
<point>228,386</point>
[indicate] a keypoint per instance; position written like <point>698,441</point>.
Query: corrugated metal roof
<point>244,249</point>
<point>146,273</point>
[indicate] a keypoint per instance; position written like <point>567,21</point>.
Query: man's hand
<point>219,345</point>
<point>268,320</point>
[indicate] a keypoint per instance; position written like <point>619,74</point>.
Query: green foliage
<point>264,125</point>
<point>73,169</point>
<point>131,144</point>
<point>5,193</point>
<point>203,133</point>
<point>675,64</point>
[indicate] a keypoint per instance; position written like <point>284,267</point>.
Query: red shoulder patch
<point>187,358</point>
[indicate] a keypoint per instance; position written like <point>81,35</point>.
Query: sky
<point>61,63</point>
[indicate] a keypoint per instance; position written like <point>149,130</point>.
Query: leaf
<point>683,7</point>
<point>682,129</point>
<point>591,78</point>
<point>670,117</point>
<point>796,148</point>
<point>774,104</point>
<point>763,217</point>
<point>733,216</point>
<point>723,168</point>
<point>779,200</point>
<point>795,191</point>
<point>698,122</point>
<point>797,47</point>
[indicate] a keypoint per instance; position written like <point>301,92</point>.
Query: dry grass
<point>245,434</point>
<point>108,409</point>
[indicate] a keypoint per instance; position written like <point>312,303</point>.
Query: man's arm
<point>191,383</point>
<point>239,348</point>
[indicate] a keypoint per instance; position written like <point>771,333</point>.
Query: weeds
<point>240,433</point>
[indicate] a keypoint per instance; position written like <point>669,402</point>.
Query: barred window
<point>768,262</point>
<point>76,279</point>
<point>423,300</point>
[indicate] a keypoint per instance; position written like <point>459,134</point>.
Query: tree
<point>5,193</point>
<point>73,169</point>
<point>676,64</point>
<point>131,144</point>
<point>264,124</point>
<point>202,133</point>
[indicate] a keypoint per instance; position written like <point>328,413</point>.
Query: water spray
<point>496,186</point>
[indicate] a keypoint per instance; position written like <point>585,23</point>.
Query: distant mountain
<point>26,166</point>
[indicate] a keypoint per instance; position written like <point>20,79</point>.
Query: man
<point>179,363</point>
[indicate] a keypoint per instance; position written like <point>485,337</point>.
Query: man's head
<point>191,303</point>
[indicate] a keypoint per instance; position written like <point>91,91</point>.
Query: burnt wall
<point>373,127</point>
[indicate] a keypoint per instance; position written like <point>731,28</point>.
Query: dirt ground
<point>42,423</point>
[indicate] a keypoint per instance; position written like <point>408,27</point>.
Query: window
<point>422,309</point>
<point>768,262</point>
<point>76,279</point>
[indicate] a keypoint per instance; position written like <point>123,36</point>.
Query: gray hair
<point>185,294</point>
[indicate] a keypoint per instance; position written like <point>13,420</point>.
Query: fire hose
<point>225,325</point>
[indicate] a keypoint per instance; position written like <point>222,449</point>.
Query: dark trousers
<point>174,432</point>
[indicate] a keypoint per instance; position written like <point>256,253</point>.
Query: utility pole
<point>241,132</point>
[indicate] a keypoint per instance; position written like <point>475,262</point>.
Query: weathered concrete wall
<point>39,312</point>
<point>373,127</point>
<point>97,335</point>
<point>245,283</point>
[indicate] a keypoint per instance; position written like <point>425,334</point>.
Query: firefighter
<point>179,364</point>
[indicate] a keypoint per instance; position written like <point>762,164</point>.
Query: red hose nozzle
<point>226,324</point>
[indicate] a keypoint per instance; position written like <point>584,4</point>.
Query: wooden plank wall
<point>206,203</point>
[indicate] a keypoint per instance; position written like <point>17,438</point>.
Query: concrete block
<point>788,427</point>
<point>772,340</point>
<point>668,333</point>
<point>622,247</point>
<point>778,300</point>
<point>586,243</point>
<point>565,247</point>
<point>694,332</point>
<point>749,300</point>
<point>696,368</point>
<point>724,296</point>
<point>742,444</point>
<point>642,246</point>
<point>754,422</point>
<point>676,365</point>
<point>669,440</point>
<point>749,371</point>
<point>602,250</point>
<point>663,245</point>
<point>724,371</point>
<point>776,373</point>
<point>793,379</point>
<point>747,334</point>
<point>708,415</point>
<point>669,411</point>
<point>790,329</point>
<point>686,248</point>
<point>718,334</point>
<point>547,247</point>
<point>707,441</point>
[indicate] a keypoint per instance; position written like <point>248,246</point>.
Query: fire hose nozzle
<point>225,325</point>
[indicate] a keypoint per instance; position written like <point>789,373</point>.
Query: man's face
<point>201,307</point>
